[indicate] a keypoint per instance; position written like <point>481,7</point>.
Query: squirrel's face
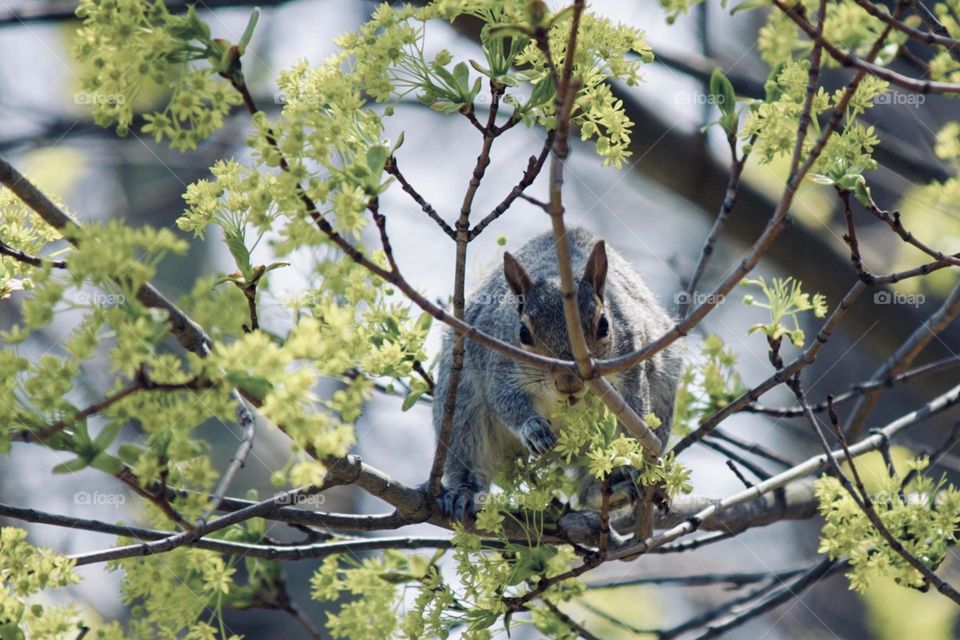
<point>542,328</point>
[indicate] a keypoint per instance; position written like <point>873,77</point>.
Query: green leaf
<point>747,5</point>
<point>79,435</point>
<point>452,87</point>
<point>229,277</point>
<point>410,400</point>
<point>376,159</point>
<point>478,68</point>
<point>238,249</point>
<point>257,386</point>
<point>481,619</point>
<point>11,631</point>
<point>248,32</point>
<point>130,453</point>
<point>849,181</point>
<point>394,577</point>
<point>107,463</point>
<point>71,465</point>
<point>107,435</point>
<point>461,75</point>
<point>447,107</point>
<point>475,91</point>
<point>397,144</point>
<point>275,265</point>
<point>424,322</point>
<point>862,193</point>
<point>542,93</point>
<point>721,90</point>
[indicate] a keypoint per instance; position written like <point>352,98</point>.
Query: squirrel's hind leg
<point>468,469</point>
<point>460,492</point>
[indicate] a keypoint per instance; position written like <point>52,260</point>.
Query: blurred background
<point>656,211</point>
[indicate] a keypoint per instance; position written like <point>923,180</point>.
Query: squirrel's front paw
<point>459,503</point>
<point>537,435</point>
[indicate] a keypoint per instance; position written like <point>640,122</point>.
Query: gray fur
<point>496,411</point>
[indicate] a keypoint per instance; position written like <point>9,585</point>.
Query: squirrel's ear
<point>517,277</point>
<point>596,270</point>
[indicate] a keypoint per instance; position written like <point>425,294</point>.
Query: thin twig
<point>33,261</point>
<point>733,457</point>
<point>855,391</point>
<point>459,350</point>
<point>575,626</point>
<point>728,580</point>
<point>914,33</point>
<point>247,423</point>
<point>729,199</point>
<point>903,357</point>
<point>781,596</point>
<point>534,166</point>
<point>811,465</point>
<point>752,447</point>
<point>393,169</point>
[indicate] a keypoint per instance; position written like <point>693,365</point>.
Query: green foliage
<point>775,121</point>
<point>591,435</point>
<point>164,46</point>
<point>925,522</point>
<point>785,300</point>
<point>372,584</point>
<point>180,592</point>
<point>20,227</point>
<point>943,65</point>
<point>328,149</point>
<point>721,91</point>
<point>706,386</point>
<point>25,571</point>
<point>676,8</point>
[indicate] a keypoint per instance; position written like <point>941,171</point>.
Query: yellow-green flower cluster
<point>487,577</point>
<point>23,229</point>
<point>924,521</point>
<point>775,123</point>
<point>944,66</point>
<point>785,300</point>
<point>605,51</point>
<point>198,104</point>
<point>26,570</point>
<point>707,385</point>
<point>130,46</point>
<point>116,252</point>
<point>775,120</point>
<point>174,594</point>
<point>373,614</point>
<point>846,25</point>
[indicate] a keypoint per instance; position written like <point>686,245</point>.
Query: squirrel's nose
<point>567,383</point>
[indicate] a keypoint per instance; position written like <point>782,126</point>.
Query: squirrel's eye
<point>603,328</point>
<point>525,336</point>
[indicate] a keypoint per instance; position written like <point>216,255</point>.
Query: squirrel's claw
<point>537,435</point>
<point>458,503</point>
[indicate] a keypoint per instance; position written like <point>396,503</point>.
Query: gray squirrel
<point>501,403</point>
